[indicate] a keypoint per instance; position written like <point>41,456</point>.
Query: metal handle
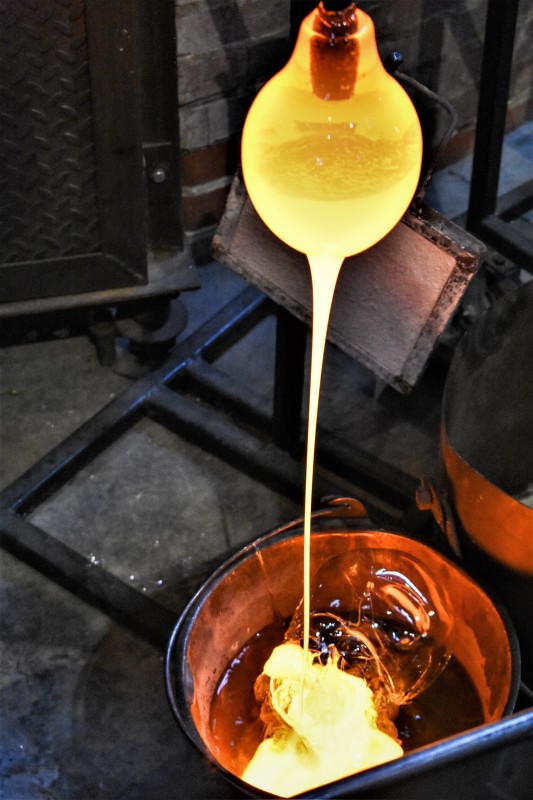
<point>335,508</point>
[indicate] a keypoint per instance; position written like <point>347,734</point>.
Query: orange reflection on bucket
<point>331,156</point>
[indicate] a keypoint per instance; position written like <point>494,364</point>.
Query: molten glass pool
<point>380,634</point>
<point>332,173</point>
<point>319,731</point>
<point>449,678</point>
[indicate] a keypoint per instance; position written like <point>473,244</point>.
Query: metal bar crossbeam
<point>232,429</point>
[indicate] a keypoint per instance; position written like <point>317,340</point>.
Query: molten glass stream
<point>331,154</point>
<point>324,273</point>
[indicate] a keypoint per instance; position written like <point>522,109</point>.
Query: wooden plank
<point>391,302</point>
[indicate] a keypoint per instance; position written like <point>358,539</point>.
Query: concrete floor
<point>84,712</point>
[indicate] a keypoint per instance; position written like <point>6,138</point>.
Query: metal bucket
<point>487,449</point>
<point>263,583</point>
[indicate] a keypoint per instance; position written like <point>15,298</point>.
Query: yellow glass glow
<point>331,154</point>
<point>332,176</point>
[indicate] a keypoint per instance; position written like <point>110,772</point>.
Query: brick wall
<point>228,48</point>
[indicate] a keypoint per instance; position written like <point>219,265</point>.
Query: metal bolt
<point>158,175</point>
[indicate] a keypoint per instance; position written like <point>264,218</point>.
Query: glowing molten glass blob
<point>325,175</point>
<point>327,726</point>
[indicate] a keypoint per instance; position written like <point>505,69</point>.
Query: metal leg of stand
<point>500,29</point>
<point>488,213</point>
<point>291,337</point>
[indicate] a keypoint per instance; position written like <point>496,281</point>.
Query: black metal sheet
<point>72,181</point>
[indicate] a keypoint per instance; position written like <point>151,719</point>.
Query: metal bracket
<point>428,499</point>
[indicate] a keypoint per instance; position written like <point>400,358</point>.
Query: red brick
<point>205,209</point>
<point>209,163</point>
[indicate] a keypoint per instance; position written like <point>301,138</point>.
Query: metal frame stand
<point>252,443</point>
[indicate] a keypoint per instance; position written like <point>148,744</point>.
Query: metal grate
<point>48,182</point>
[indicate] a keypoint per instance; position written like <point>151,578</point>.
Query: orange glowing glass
<point>331,156</point>
<point>331,147</point>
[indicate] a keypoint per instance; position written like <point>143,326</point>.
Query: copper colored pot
<point>487,449</point>
<point>263,582</point>
<point>487,431</point>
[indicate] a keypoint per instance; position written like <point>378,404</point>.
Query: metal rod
<point>496,67</point>
<point>291,340</point>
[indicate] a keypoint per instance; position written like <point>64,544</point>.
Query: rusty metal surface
<point>391,302</point>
